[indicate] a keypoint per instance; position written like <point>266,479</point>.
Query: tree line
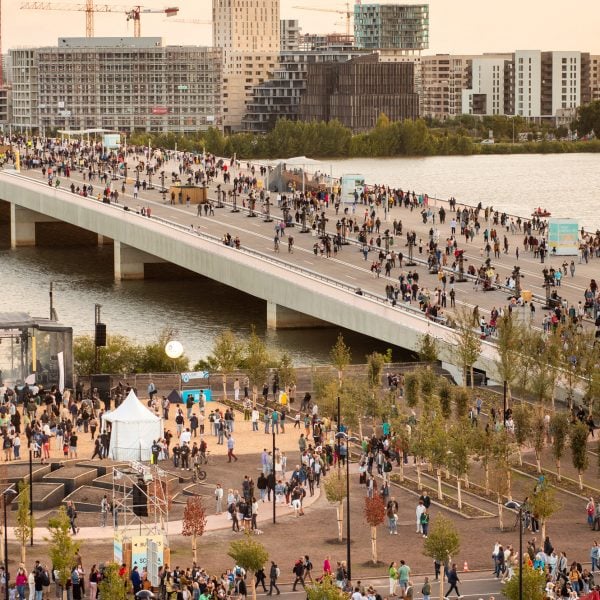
<point>420,137</point>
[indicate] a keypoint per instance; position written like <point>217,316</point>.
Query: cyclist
<point>202,457</point>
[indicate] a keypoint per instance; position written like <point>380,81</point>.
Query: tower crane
<point>192,21</point>
<point>131,12</point>
<point>348,13</point>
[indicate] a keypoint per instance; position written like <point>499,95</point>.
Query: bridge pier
<point>129,262</point>
<point>22,225</point>
<point>281,317</point>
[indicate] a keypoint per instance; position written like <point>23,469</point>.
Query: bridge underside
<point>22,227</point>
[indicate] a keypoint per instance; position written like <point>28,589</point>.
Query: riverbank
<point>333,141</point>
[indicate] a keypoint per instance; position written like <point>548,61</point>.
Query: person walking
<point>273,577</point>
<point>298,571</point>
<point>453,580</point>
<point>230,447</point>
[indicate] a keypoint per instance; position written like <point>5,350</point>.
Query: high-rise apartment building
<point>391,26</point>
<point>280,96</point>
<point>443,79</point>
<point>248,32</point>
<point>289,35</point>
<point>550,84</point>
<point>594,77</point>
<point>125,84</point>
<point>489,88</point>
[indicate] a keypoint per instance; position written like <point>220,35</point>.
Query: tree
<point>411,389</point>
<point>461,402</point>
<point>250,555</point>
<point>375,363</point>
<point>579,435</point>
<point>25,522</point>
<point>559,430</point>
<point>326,589</point>
<point>436,448</point>
<point>483,444</point>
<point>374,516</point>
<point>588,120</point>
<point>120,355</point>
<point>112,585</point>
<point>256,361</point>
<point>538,438</point>
<point>468,345</point>
<point>442,543</point>
<point>522,421</point>
<point>428,349</point>
<point>226,357</point>
<point>459,443</point>
<point>543,505</point>
<point>534,584</point>
<point>63,549</point>
<point>340,356</point>
<point>445,397</point>
<point>335,492</point>
<point>194,522</point>
<point>509,348</point>
<point>287,372</point>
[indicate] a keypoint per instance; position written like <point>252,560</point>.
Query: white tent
<point>134,428</point>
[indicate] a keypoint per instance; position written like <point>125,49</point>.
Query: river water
<point>198,309</point>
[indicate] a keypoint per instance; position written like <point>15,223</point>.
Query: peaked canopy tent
<point>134,428</point>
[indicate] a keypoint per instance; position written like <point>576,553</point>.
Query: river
<point>198,309</point>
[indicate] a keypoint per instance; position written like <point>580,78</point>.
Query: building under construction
<point>126,84</point>
<point>357,91</point>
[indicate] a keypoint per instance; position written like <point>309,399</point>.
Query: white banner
<point>61,371</point>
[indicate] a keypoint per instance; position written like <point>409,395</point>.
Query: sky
<point>456,26</point>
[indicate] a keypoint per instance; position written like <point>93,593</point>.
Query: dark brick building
<point>358,91</point>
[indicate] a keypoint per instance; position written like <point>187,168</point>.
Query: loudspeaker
<point>100,334</point>
<point>139,498</point>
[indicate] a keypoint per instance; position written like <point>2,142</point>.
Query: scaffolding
<point>140,500</point>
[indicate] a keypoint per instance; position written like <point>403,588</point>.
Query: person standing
<point>236,390</point>
<point>230,448</point>
<point>104,508</point>
<point>93,579</point>
<point>403,576</point>
<point>273,577</point>
<point>219,499</point>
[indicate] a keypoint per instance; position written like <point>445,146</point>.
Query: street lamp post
<point>516,506</point>
<point>31,495</point>
<point>235,208</point>
<point>9,491</point>
<point>268,218</point>
<point>273,471</point>
<point>339,435</point>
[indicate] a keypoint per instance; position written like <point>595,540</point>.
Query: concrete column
<point>281,317</point>
<point>129,262</point>
<point>22,226</point>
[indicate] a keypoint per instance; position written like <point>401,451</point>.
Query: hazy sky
<point>456,26</point>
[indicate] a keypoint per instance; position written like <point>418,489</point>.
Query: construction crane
<point>192,21</point>
<point>131,12</point>
<point>348,13</point>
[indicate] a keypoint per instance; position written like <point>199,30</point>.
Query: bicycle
<point>198,474</point>
<point>206,459</point>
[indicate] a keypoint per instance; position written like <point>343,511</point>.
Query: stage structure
<point>141,504</point>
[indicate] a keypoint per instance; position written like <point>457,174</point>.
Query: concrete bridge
<point>296,296</point>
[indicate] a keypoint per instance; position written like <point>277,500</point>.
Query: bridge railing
<point>371,296</point>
